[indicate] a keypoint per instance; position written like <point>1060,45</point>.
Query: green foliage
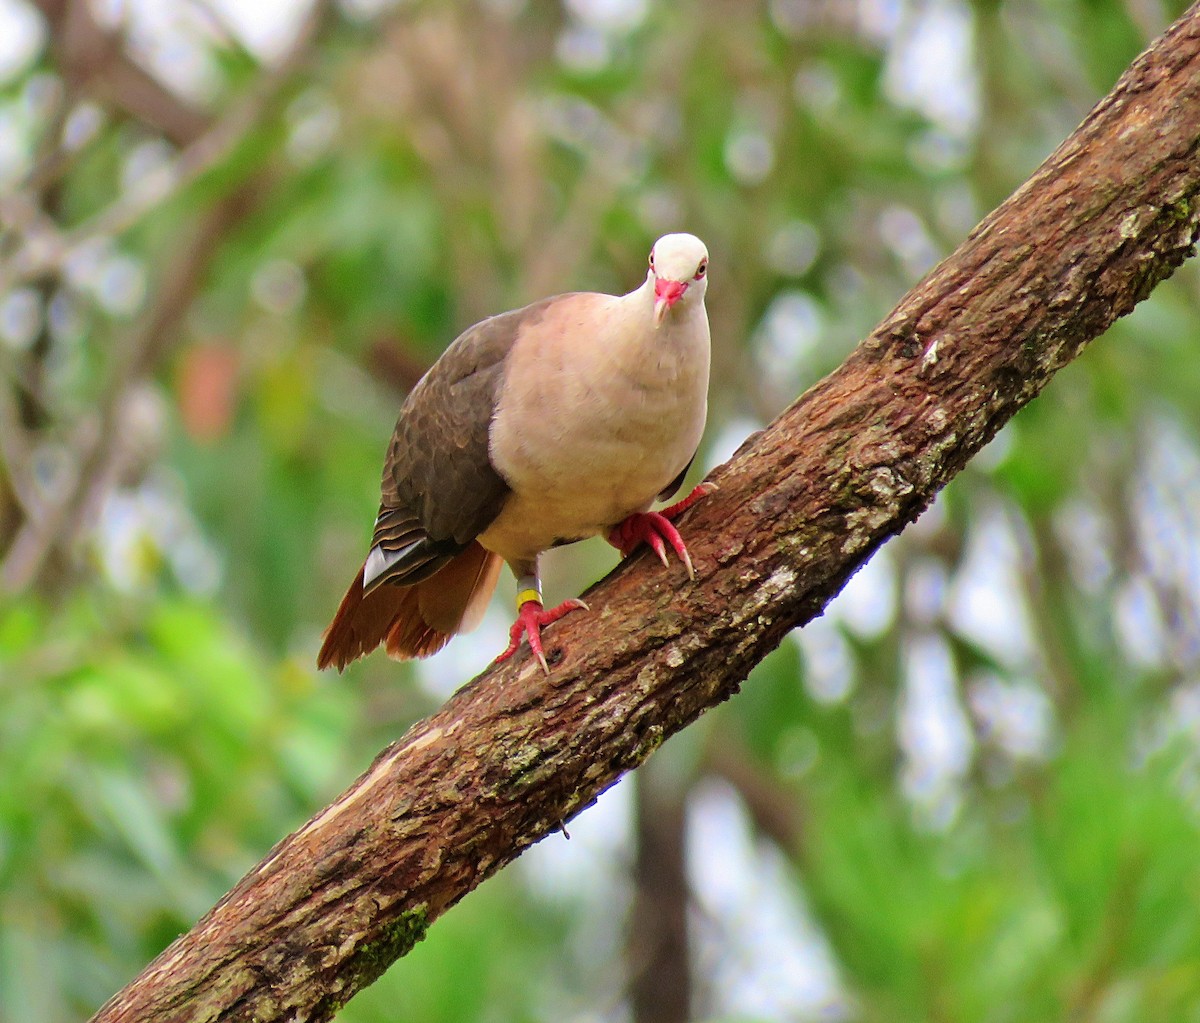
<point>980,770</point>
<point>150,756</point>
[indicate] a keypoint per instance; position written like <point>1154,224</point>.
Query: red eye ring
<point>701,269</point>
<point>651,259</point>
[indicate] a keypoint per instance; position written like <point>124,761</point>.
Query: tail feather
<point>414,621</point>
<point>462,591</point>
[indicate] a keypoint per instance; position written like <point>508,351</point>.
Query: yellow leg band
<point>525,596</point>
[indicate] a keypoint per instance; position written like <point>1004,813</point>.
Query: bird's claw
<point>656,543</point>
<point>530,619</point>
<point>653,528</point>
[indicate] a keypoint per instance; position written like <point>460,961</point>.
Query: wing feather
<point>439,488</point>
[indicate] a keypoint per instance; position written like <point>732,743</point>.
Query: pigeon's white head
<point>678,273</point>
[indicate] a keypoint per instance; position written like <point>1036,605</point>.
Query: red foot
<point>653,528</point>
<point>530,619</point>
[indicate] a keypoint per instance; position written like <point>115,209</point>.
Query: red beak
<point>666,294</point>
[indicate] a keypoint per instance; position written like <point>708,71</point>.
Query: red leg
<point>530,619</point>
<point>653,528</point>
<point>673,511</point>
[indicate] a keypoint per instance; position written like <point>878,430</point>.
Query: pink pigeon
<point>562,420</point>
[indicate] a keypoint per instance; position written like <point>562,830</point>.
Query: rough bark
<point>515,753</point>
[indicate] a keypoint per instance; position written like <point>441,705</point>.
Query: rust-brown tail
<point>414,621</point>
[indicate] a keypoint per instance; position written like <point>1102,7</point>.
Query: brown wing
<point>439,488</point>
<point>669,490</point>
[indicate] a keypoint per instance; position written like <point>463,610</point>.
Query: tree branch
<point>657,950</point>
<point>95,58</point>
<point>801,506</point>
<point>59,522</point>
<point>46,246</point>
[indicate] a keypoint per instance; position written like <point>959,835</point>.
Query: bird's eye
<point>651,259</point>
<point>701,269</point>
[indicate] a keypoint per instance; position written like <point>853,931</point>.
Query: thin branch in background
<point>15,456</point>
<point>772,809</point>
<point>141,351</point>
<point>46,247</point>
<point>393,361</point>
<point>1060,678</point>
<point>217,22</point>
<point>85,57</point>
<point>50,157</point>
<point>456,83</point>
<point>94,60</point>
<point>102,441</point>
<point>660,986</point>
